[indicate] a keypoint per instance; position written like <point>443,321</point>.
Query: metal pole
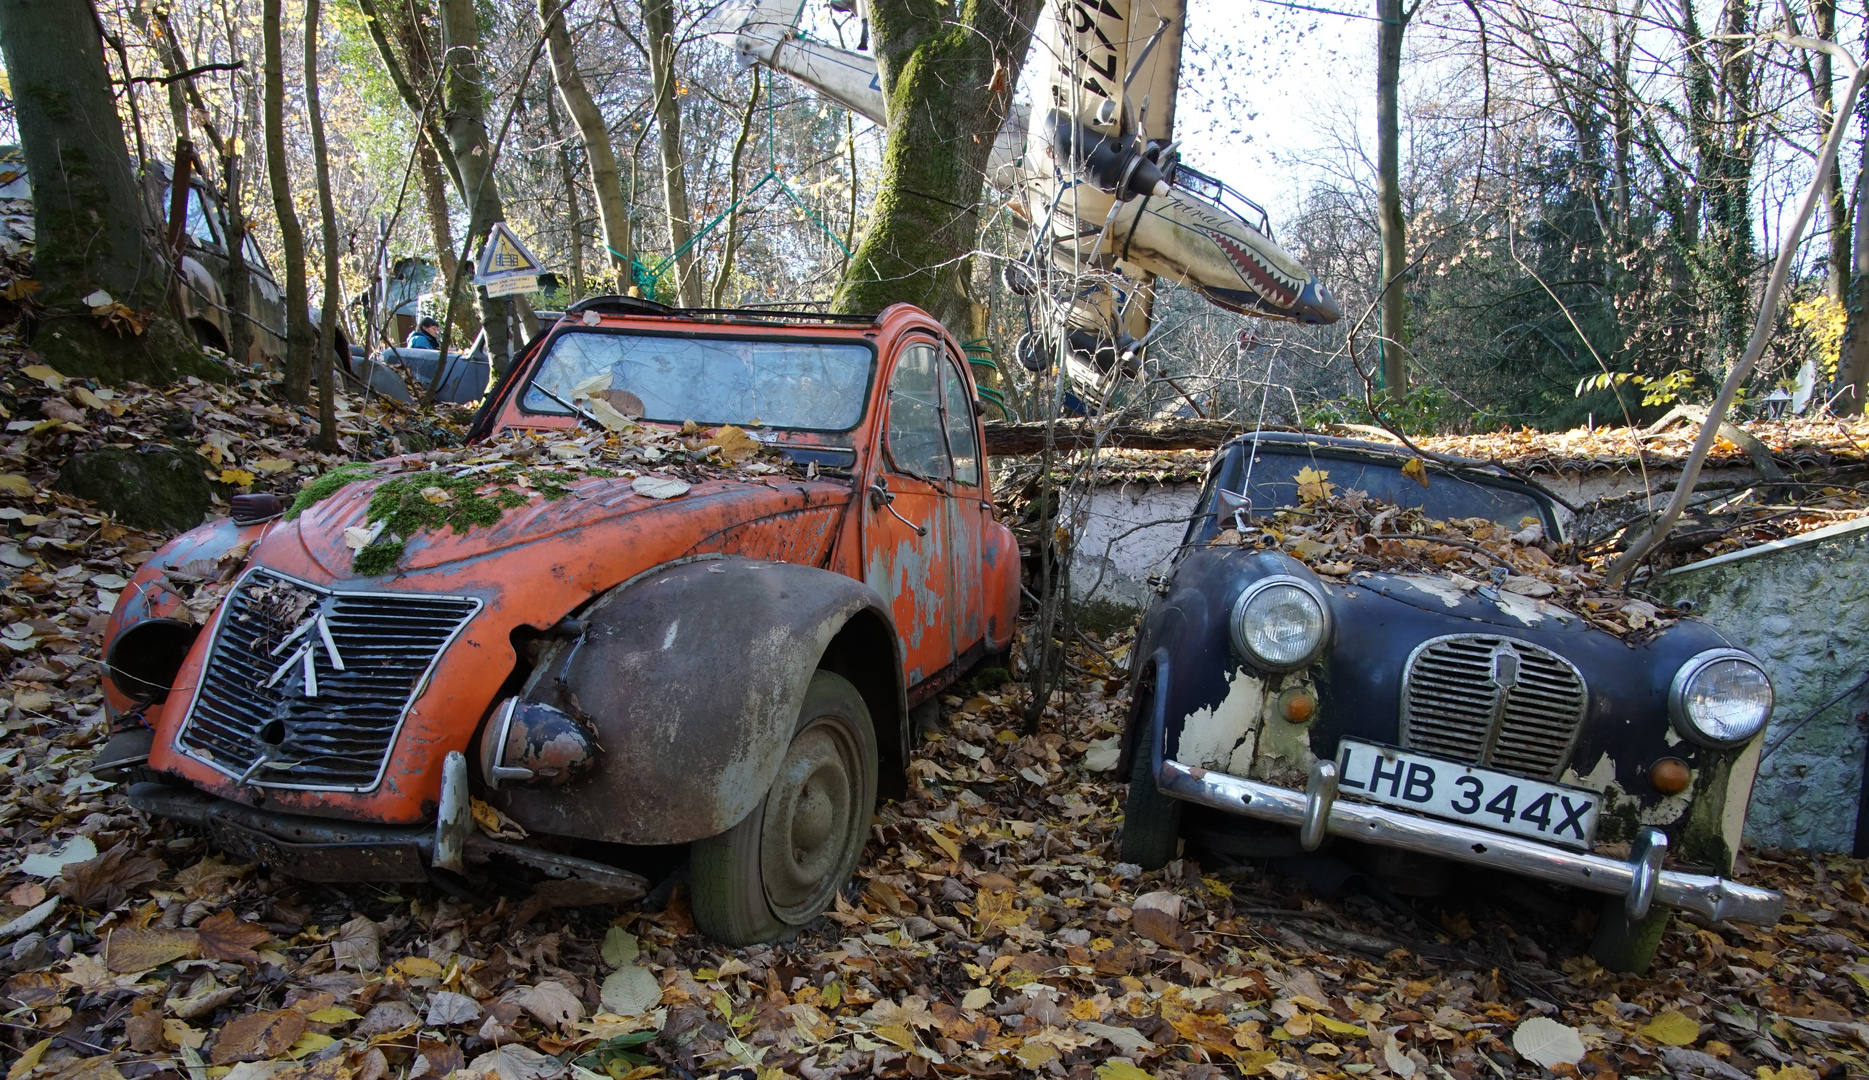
<point>511,331</point>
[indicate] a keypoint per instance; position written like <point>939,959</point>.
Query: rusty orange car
<point>732,669</point>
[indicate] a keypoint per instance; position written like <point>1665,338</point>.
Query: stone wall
<point>1802,606</point>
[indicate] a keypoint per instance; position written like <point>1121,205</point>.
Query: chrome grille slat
<point>340,740</point>
<point>1453,708</point>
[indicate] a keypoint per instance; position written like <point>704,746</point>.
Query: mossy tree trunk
<point>94,229</point>
<point>658,18</point>
<point>464,118</point>
<point>1394,229</point>
<point>948,71</point>
<point>606,178</point>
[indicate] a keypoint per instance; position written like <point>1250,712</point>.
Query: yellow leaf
<point>1254,1062</point>
<point>52,379</point>
<point>898,1034</point>
<point>15,484</point>
<point>735,444</point>
<point>309,1043</point>
<point>1766,1072</point>
<point>416,967</point>
<point>1416,471</point>
<point>1671,1028</point>
<point>29,1060</point>
<point>1336,1026</point>
<point>1035,1055</point>
<point>237,477</point>
<point>90,400</point>
<point>272,465</point>
<point>1118,1069</point>
<point>333,1014</point>
<point>1313,484</point>
<point>1217,887</point>
<point>179,1033</point>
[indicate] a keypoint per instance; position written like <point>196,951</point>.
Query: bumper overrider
<point>1316,813</point>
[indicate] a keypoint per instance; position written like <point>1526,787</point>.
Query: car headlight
<point>1720,698</point>
<point>1279,623</point>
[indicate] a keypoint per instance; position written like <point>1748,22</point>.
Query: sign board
<point>512,286</point>
<point>504,257</point>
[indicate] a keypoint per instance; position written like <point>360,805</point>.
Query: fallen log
<point>1006,440</point>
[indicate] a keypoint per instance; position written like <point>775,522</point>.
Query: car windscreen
<point>1275,472</point>
<point>771,382</point>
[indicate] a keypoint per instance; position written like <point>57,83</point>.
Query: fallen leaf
<point>35,989</point>
<point>257,1036</point>
<point>1417,471</point>
<point>1543,1041</point>
<point>15,484</point>
<point>1671,1028</point>
<point>518,1063</point>
<point>128,951</point>
<point>102,883</point>
<point>225,936</point>
<point>735,444</point>
<point>620,947</point>
<point>48,864</point>
<point>237,477</point>
<point>657,487</point>
<point>358,945</point>
<point>52,379</point>
<point>549,1003</point>
<point>447,1008</point>
<point>630,991</point>
<point>1118,1069</point>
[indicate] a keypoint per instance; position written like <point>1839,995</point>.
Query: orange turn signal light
<point>1297,706</point>
<point>1669,776</point>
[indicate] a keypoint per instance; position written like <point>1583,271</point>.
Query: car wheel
<point>1151,820</point>
<point>1624,946</point>
<point>782,865</point>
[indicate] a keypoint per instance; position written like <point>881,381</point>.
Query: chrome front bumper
<point>1315,812</point>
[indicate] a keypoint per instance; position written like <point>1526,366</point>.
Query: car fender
<point>1000,578</point>
<point>691,677</point>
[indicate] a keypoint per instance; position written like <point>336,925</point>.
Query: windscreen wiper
<point>599,424</point>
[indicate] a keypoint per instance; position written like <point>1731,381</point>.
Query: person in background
<point>426,335</point>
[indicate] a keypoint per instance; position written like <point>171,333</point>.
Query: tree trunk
<point>606,180</point>
<point>299,342</point>
<point>947,74</point>
<point>1836,206</point>
<point>93,226</point>
<point>731,245</point>
<point>1855,374</point>
<point>464,91</point>
<point>327,213</point>
<point>1394,301</point>
<point>569,176</point>
<point>658,17</point>
<point>441,231</point>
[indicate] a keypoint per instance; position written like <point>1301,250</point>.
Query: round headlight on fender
<point>1720,698</point>
<point>1279,623</point>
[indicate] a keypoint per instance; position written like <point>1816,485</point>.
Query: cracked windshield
<point>710,380</point>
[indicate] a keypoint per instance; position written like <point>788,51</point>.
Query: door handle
<point>881,498</point>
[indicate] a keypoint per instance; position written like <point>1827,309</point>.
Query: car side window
<point>960,430</point>
<point>916,443</point>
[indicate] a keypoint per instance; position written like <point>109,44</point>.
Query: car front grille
<point>1493,701</point>
<point>284,735</point>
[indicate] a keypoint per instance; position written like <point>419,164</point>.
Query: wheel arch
<point>692,676</point>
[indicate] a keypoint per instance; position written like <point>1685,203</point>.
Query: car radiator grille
<point>1493,701</point>
<point>338,738</point>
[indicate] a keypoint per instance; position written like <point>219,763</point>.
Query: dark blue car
<point>1419,721</point>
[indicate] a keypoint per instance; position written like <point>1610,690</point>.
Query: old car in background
<point>612,656</point>
<point>1412,714</point>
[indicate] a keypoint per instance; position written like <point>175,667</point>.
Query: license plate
<point>1491,800</point>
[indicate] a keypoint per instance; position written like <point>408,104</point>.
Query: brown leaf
<point>225,936</point>
<point>1162,928</point>
<point>258,1036</point>
<point>128,951</point>
<point>35,989</point>
<point>143,1028</point>
<point>358,945</point>
<point>102,883</point>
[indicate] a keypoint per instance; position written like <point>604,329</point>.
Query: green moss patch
<point>326,486</point>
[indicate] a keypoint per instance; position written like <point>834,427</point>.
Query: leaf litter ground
<point>991,930</point>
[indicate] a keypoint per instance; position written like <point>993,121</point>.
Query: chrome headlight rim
<point>1235,622</point>
<point>1678,716</point>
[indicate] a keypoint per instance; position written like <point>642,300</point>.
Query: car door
<point>908,519</point>
<point>968,505</point>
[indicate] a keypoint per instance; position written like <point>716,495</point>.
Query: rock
<point>161,491</point>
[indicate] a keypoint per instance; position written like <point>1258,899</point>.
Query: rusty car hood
<point>708,509</point>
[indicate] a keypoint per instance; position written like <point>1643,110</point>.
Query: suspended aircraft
<point>1093,169</point>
